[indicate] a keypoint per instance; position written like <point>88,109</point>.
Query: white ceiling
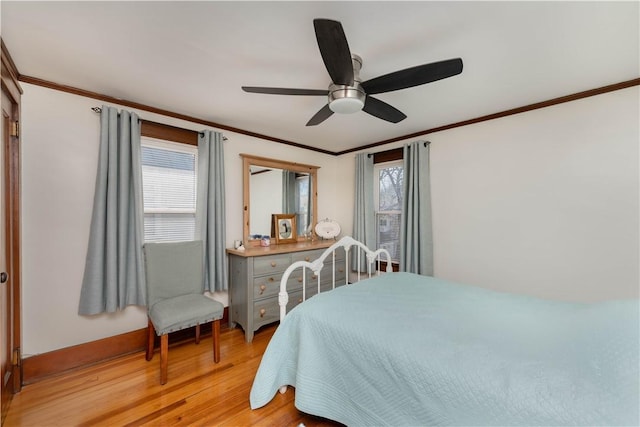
<point>192,57</point>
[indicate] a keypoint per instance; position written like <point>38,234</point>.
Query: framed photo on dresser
<point>284,228</point>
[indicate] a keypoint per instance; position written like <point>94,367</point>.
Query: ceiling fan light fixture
<point>346,105</point>
<point>346,99</point>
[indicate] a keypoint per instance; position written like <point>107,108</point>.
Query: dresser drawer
<point>265,311</point>
<point>308,256</point>
<point>295,298</point>
<point>295,280</point>
<point>340,254</point>
<point>326,274</point>
<point>268,311</point>
<point>267,286</point>
<point>311,256</point>
<point>270,264</point>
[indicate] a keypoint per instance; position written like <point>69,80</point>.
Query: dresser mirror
<point>273,186</point>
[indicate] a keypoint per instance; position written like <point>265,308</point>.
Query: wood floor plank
<point>126,391</point>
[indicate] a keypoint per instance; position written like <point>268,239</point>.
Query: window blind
<point>169,177</point>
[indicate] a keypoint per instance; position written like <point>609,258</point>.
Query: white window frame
<point>376,183</point>
<point>376,192</point>
<point>178,147</point>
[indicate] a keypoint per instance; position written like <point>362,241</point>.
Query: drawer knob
<point>314,277</point>
<point>271,279</point>
<point>341,270</point>
<point>299,279</point>
<point>300,300</point>
<point>262,312</point>
<point>273,264</point>
<point>262,288</point>
<point>307,259</point>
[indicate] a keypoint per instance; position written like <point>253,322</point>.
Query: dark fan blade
<point>414,76</point>
<point>283,91</point>
<point>382,110</point>
<point>322,115</point>
<point>334,50</point>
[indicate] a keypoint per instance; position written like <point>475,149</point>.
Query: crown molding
<point>555,101</point>
<point>551,102</point>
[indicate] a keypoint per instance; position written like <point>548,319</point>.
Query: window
<point>388,205</point>
<point>169,178</point>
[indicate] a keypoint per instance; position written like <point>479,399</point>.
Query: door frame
<point>10,86</point>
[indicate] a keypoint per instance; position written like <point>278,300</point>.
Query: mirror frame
<point>249,160</point>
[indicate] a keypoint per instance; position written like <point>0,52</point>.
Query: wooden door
<point>10,380</point>
<point>5,291</point>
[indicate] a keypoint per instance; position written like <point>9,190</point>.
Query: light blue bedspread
<point>402,349</point>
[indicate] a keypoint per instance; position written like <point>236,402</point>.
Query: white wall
<point>542,203</point>
<point>59,157</point>
<point>266,192</point>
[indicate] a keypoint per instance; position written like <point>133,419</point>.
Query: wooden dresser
<point>254,281</point>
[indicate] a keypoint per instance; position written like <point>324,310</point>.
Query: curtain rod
<point>373,154</point>
<point>99,110</point>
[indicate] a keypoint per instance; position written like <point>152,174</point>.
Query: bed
<point>402,349</point>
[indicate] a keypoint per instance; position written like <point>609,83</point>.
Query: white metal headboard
<point>316,266</point>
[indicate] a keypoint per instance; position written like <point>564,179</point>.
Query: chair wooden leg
<point>198,333</point>
<point>164,358</point>
<point>151,332</point>
<point>215,332</point>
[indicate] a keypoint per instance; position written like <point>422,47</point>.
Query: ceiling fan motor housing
<point>346,99</point>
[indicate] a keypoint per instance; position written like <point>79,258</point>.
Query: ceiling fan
<point>347,93</point>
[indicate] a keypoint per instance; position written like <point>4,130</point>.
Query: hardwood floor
<point>126,391</point>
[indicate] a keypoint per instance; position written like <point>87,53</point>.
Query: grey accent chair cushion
<point>184,311</point>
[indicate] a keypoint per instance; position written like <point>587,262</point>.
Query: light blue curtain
<point>114,269</point>
<point>288,192</point>
<point>309,205</point>
<point>416,237</point>
<point>364,229</point>
<point>210,209</point>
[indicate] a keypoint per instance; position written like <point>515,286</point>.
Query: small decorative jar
<point>265,241</point>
